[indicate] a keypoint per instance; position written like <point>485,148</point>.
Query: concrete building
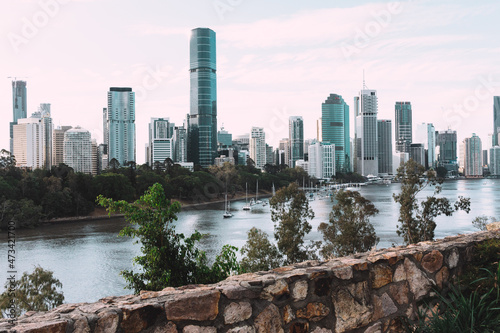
<point>403,126</point>
<point>335,129</point>
<point>494,164</point>
<point>19,107</point>
<point>296,137</point>
<point>120,125</point>
<point>384,132</point>
<point>366,138</point>
<point>28,143</point>
<point>473,167</point>
<point>496,120</point>
<point>58,144</point>
<point>321,160</point>
<point>258,147</point>
<point>417,153</point>
<point>161,142</point>
<point>78,150</point>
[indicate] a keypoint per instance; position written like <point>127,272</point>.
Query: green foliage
<point>349,229</point>
<point>23,212</point>
<point>349,177</point>
<point>33,292</point>
<point>481,221</point>
<point>289,212</point>
<point>417,221</point>
<point>168,258</point>
<point>114,186</point>
<point>7,160</point>
<point>259,254</point>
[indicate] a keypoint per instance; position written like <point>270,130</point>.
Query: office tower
<point>461,156</point>
<point>120,125</point>
<point>296,137</point>
<point>102,157</point>
<point>319,129</point>
<point>307,143</point>
<point>202,130</point>
<point>494,164</point>
<point>403,127</point>
<point>384,132</point>
<point>485,157</point>
<point>366,138</point>
<point>58,144</point>
<point>473,167</point>
<point>258,147</point>
<point>78,150</point>
<point>335,130</point>
<point>431,146</point>
<point>180,144</point>
<point>95,157</point>
<point>47,127</point>
<point>161,145</point>
<point>224,138</point>
<point>321,160</point>
<point>285,147</point>
<point>28,142</point>
<point>417,153</point>
<point>269,155</point>
<point>447,156</point>
<point>19,107</point>
<point>496,120</point>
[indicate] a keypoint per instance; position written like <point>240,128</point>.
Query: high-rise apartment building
<point>44,113</point>
<point>473,167</point>
<point>258,147</point>
<point>161,144</point>
<point>496,120</point>
<point>34,141</point>
<point>19,107</point>
<point>58,144</point>
<point>78,150</point>
<point>384,132</point>
<point>403,126</point>
<point>335,130</point>
<point>321,160</point>
<point>431,146</point>
<point>447,156</point>
<point>296,137</point>
<point>224,138</point>
<point>494,164</point>
<point>417,153</point>
<point>180,141</point>
<point>120,125</point>
<point>202,130</point>
<point>366,138</point>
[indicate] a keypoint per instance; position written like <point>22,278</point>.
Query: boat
<point>247,206</point>
<point>257,201</point>
<point>227,209</point>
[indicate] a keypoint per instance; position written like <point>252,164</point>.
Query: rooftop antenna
<point>364,84</point>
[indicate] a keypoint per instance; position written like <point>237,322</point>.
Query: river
<point>88,256</point>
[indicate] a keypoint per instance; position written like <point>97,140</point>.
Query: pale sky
<point>274,59</point>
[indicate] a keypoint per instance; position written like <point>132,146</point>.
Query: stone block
<point>399,293</point>
<point>199,329</point>
<point>299,327</point>
<point>43,327</point>
<point>299,291</point>
<point>442,277</point>
<point>243,329</point>
<point>288,315</point>
<point>343,273</point>
<point>280,288</point>
<point>351,307</point>
<point>383,306</point>
<point>313,311</point>
<point>108,322</point>
<point>269,320</point>
<point>380,276</point>
<point>138,317</point>
<point>236,312</point>
<point>452,259</point>
<point>432,261</point>
<point>194,305</point>
<point>420,285</point>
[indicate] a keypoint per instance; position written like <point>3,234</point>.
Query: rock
<point>452,259</point>
<point>343,273</point>
<point>322,287</point>
<point>194,305</point>
<point>244,329</point>
<point>377,328</point>
<point>351,308</point>
<point>299,328</point>
<point>107,322</point>
<point>199,329</point>
<point>380,276</point>
<point>288,315</point>
<point>278,289</point>
<point>432,261</point>
<point>138,317</point>
<point>43,327</point>
<point>442,277</point>
<point>399,274</point>
<point>236,312</point>
<point>383,306</point>
<point>235,292</point>
<point>299,291</point>
<point>399,293</point>
<point>313,311</point>
<point>419,284</point>
<point>493,226</point>
<point>168,328</point>
<point>269,320</point>
<point>321,330</point>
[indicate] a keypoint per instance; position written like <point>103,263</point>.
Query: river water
<point>88,256</point>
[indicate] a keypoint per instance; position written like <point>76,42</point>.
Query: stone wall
<point>360,293</point>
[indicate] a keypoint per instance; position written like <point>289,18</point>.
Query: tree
<point>33,292</point>
<point>417,221</point>
<point>289,212</point>
<point>114,165</point>
<point>481,221</point>
<point>168,258</point>
<point>349,229</point>
<point>259,254</point>
<point>7,160</point>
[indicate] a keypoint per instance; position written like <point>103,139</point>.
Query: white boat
<point>227,209</point>
<point>257,201</point>
<point>247,206</point>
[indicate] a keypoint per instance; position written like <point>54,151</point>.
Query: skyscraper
<point>121,125</point>
<point>473,157</point>
<point>494,164</point>
<point>296,136</point>
<point>384,132</point>
<point>447,157</point>
<point>417,153</point>
<point>44,112</point>
<point>366,138</point>
<point>58,144</point>
<point>19,106</point>
<point>335,130</point>
<point>403,126</point>
<point>321,160</point>
<point>431,146</point>
<point>258,147</point>
<point>202,131</point>
<point>161,145</point>
<point>496,120</point>
<point>78,150</point>
<point>28,142</point>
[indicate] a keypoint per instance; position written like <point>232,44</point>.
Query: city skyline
<point>270,66</point>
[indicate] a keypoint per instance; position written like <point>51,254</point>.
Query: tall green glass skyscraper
<point>202,136</point>
<point>335,130</point>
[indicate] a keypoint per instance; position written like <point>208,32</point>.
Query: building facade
<point>494,164</point>
<point>202,131</point>
<point>19,107</point>
<point>120,125</point>
<point>296,137</point>
<point>473,167</point>
<point>417,153</point>
<point>161,143</point>
<point>335,130</point>
<point>496,120</point>
<point>431,146</point>
<point>28,143</point>
<point>321,162</point>
<point>58,144</point>
<point>403,124</point>
<point>257,145</point>
<point>384,132</point>
<point>366,138</point>
<point>78,150</point>
<point>447,156</point>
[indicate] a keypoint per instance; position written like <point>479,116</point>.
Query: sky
<point>275,59</point>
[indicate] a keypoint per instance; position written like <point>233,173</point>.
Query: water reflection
<point>88,256</point>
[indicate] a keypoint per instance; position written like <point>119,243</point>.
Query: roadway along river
<point>88,256</point>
